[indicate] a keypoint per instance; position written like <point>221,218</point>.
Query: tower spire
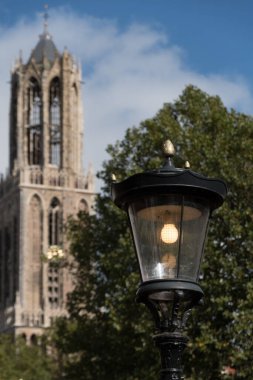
<point>45,17</point>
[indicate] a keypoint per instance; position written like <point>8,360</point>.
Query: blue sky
<point>136,55</point>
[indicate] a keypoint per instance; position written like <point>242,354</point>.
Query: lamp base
<point>170,303</point>
<point>171,346</point>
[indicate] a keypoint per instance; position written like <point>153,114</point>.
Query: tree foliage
<point>21,362</point>
<point>107,335</point>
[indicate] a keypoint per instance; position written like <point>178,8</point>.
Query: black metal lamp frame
<point>170,301</point>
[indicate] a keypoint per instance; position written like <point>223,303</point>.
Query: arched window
<point>55,223</point>
<point>34,132</point>
<point>14,121</point>
<point>55,122</point>
<point>33,340</point>
<point>15,267</point>
<point>7,250</point>
<point>74,101</point>
<point>74,120</point>
<point>83,206</point>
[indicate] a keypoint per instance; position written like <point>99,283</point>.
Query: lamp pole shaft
<point>171,346</point>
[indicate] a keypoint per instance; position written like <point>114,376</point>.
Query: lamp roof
<point>169,180</point>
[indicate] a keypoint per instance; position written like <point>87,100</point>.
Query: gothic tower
<point>45,184</point>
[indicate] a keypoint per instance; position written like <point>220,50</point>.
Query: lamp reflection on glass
<point>169,261</point>
<point>167,266</point>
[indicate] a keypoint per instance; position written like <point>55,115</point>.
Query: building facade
<point>45,185</point>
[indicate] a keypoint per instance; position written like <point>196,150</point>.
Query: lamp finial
<point>113,177</point>
<point>168,149</point>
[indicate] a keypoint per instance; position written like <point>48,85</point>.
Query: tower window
<point>83,206</point>
<point>55,238</point>
<point>55,223</point>
<point>14,118</point>
<point>34,132</point>
<point>7,249</point>
<point>34,340</point>
<point>55,123</point>
<point>15,275</point>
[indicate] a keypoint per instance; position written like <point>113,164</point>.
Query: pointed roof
<point>45,48</point>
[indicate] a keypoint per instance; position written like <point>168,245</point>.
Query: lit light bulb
<point>169,233</point>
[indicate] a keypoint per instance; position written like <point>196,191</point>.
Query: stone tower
<point>45,184</point>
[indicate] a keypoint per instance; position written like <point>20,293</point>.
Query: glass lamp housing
<point>169,234</point>
<point>169,209</point>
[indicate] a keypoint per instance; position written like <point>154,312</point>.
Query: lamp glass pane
<point>163,227</point>
<point>192,243</point>
<point>156,225</point>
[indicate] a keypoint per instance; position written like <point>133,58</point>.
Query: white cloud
<point>128,74</point>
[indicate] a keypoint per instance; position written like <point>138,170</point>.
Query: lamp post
<point>169,211</point>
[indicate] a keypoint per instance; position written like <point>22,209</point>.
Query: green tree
<point>19,361</point>
<point>109,337</point>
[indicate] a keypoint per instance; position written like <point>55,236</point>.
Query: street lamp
<point>169,211</point>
